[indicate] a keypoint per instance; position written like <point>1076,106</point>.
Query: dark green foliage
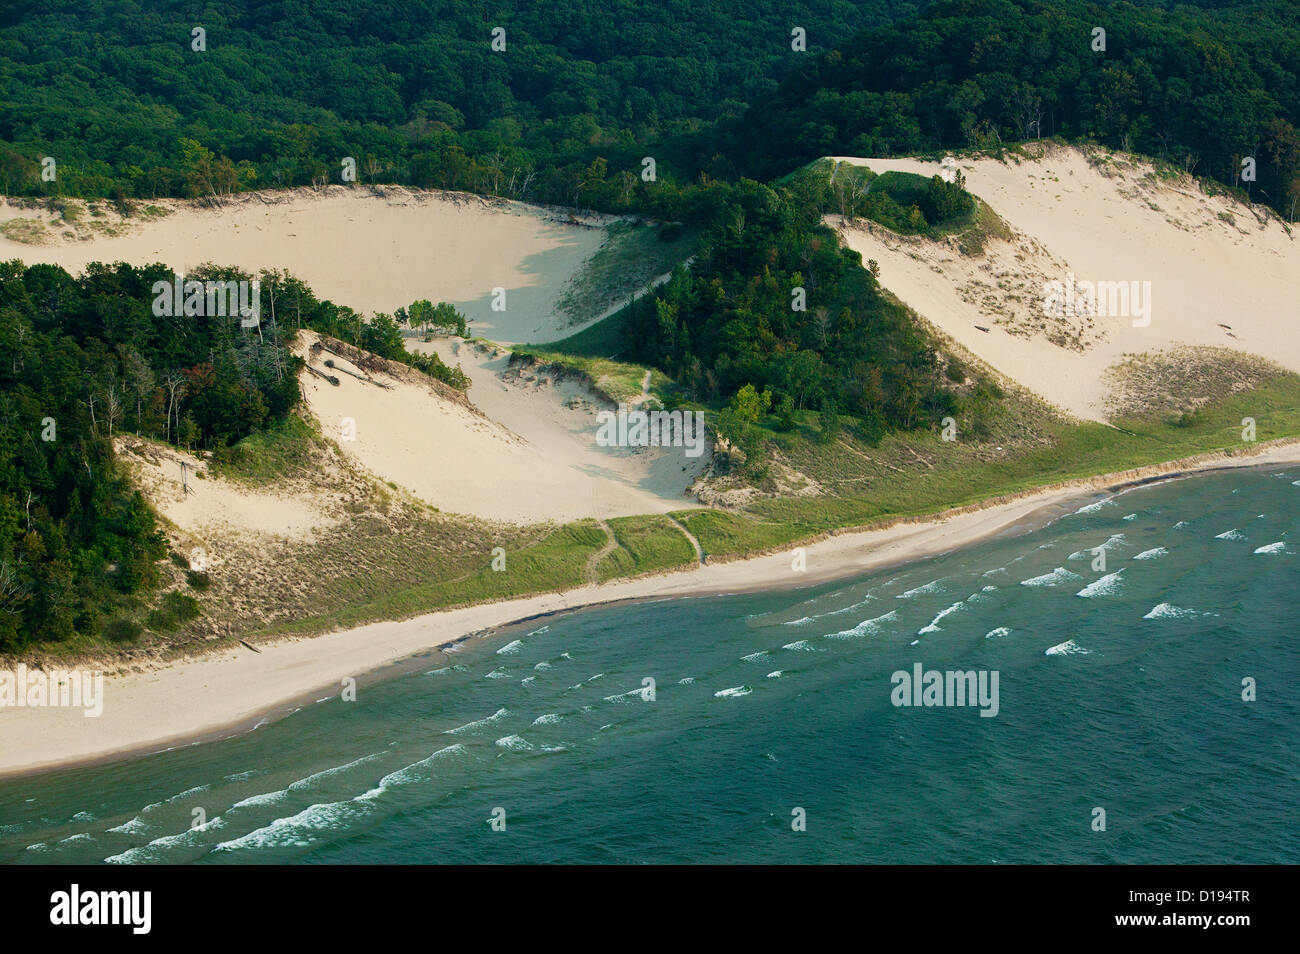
<point>1199,86</point>
<point>122,631</point>
<point>174,609</point>
<point>730,320</point>
<point>412,91</point>
<point>199,580</point>
<point>84,359</point>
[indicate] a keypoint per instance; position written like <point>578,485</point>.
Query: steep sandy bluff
<point>1221,274</point>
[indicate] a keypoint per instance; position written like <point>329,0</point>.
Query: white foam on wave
<point>515,743</point>
<point>754,657</point>
<point>1094,507</point>
<point>1170,611</point>
<point>998,633</point>
<point>868,627</point>
<point>1233,534</point>
<point>538,632</point>
<point>270,798</point>
<point>511,648</point>
<point>1067,648</point>
<point>549,718</point>
<point>626,696</point>
<point>1107,585</point>
<point>295,830</point>
<point>800,646</point>
<point>732,692</point>
<point>1154,553</point>
<point>776,674</point>
<point>176,798</point>
<point>1055,578</point>
<point>933,627</point>
<point>493,719</point>
<point>934,586</point>
<point>415,772</point>
<point>136,826</point>
<point>159,846</point>
<point>1279,547</point>
<point>1114,540</point>
<point>500,673</point>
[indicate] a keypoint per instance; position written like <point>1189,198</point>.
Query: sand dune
<point>370,252</point>
<point>530,456</point>
<point>1218,276</point>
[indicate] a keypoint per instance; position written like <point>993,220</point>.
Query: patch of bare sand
<point>1221,274</point>
<point>525,451</point>
<point>201,503</point>
<point>371,249</point>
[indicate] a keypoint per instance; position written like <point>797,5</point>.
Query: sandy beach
<point>230,691</point>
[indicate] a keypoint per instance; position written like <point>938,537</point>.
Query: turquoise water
<point>1119,690</point>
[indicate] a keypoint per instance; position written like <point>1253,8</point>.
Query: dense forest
<point>774,302</point>
<point>772,317</point>
<point>413,91</point>
<point>1202,89</point>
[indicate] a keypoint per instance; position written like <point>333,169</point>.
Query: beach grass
<point>649,544</point>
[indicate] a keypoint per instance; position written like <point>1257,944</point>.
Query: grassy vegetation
<point>283,451</point>
<point>921,474</point>
<point>26,231</point>
<point>383,555</point>
<point>634,255</point>
<point>648,544</point>
<point>620,381</point>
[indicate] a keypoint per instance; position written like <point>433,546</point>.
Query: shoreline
<point>233,691</point>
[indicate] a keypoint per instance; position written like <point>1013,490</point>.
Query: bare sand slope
<point>369,252</point>
<point>531,456</point>
<point>200,502</point>
<point>1219,276</point>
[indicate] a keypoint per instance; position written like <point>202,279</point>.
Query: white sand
<point>208,503</point>
<point>533,458</point>
<point>1099,223</point>
<point>367,252</point>
<point>149,711</point>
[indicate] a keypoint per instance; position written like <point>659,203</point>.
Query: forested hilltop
<point>414,90</point>
<point>565,114</point>
<point>1202,88</point>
